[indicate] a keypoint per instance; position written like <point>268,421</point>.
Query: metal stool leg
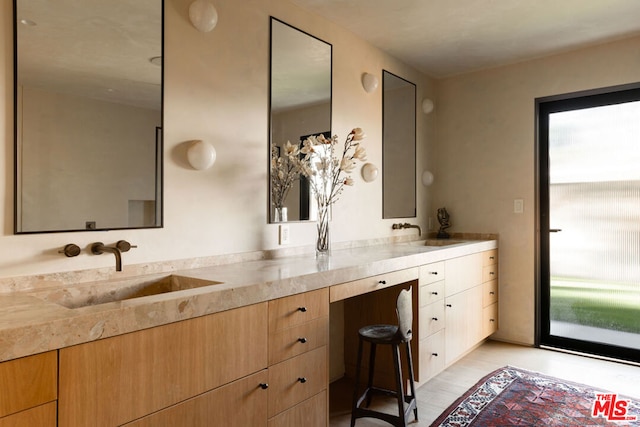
<point>411,383</point>
<point>399,386</point>
<point>372,363</point>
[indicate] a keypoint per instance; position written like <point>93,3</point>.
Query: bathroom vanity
<point>239,343</point>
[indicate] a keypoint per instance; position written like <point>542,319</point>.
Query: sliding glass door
<point>589,173</point>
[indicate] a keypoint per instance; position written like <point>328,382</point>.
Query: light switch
<point>518,206</point>
<point>283,234</point>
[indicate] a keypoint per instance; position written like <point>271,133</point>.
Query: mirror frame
<point>272,19</point>
<point>159,136</point>
<point>385,173</point>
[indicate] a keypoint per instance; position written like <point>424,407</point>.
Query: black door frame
<point>544,107</point>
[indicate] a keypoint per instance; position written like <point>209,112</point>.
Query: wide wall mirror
<point>300,106</point>
<point>88,103</point>
<point>398,147</point>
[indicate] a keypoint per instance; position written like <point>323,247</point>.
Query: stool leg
<point>411,384</point>
<point>355,390</point>
<point>372,364</point>
<point>399,387</point>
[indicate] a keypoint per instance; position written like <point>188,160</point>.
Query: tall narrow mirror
<point>398,147</point>
<point>300,106</point>
<point>88,102</point>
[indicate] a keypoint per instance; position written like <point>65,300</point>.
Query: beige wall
<point>485,156</point>
<point>216,88</point>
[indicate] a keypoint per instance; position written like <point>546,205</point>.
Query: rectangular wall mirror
<point>398,147</point>
<point>300,105</point>
<point>88,104</point>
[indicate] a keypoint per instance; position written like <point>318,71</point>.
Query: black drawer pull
<point>434,318</point>
<point>448,305</point>
<point>492,293</point>
<point>434,354</point>
<point>492,257</point>
<point>492,320</point>
<point>382,282</point>
<point>264,386</point>
<point>492,273</point>
<point>302,309</point>
<point>302,380</point>
<point>434,293</point>
<point>303,340</point>
<point>435,273</point>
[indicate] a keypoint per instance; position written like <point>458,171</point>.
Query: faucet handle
<point>70,250</point>
<point>124,246</point>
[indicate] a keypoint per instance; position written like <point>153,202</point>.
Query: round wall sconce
<point>369,172</point>
<point>201,155</point>
<point>203,15</point>
<point>427,178</point>
<point>427,105</point>
<point>369,82</point>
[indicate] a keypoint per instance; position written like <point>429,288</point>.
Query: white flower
<point>348,181</point>
<point>358,134</point>
<point>360,153</point>
<point>347,165</point>
<point>290,149</point>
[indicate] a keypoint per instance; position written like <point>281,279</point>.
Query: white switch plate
<point>518,206</point>
<point>283,231</point>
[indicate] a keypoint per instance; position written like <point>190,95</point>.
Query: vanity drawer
<point>28,382</point>
<point>310,413</point>
<point>489,320</point>
<point>431,319</point>
<point>297,379</point>
<point>431,273</point>
<point>489,272</point>
<point>431,356</point>
<point>297,309</point>
<point>489,292</point>
<point>490,257</point>
<point>431,293</point>
<point>298,339</point>
<point>370,284</point>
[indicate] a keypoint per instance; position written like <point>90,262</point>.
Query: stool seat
<point>393,336</point>
<point>380,334</point>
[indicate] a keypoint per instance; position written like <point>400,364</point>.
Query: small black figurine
<point>443,219</point>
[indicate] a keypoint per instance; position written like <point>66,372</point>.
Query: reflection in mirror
<point>300,106</point>
<point>398,147</point>
<point>88,94</point>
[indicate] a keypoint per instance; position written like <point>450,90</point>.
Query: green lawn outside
<point>613,306</point>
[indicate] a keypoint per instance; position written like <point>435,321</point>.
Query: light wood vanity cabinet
<point>29,391</point>
<point>298,360</point>
<point>489,292</point>
<point>431,315</point>
<point>117,380</point>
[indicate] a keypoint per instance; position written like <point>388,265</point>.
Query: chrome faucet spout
<point>99,248</point>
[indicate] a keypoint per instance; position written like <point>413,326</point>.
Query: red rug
<point>515,397</point>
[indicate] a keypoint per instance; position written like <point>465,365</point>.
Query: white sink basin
<point>95,293</point>
<point>436,242</point>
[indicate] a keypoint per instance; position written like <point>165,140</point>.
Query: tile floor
<point>438,393</point>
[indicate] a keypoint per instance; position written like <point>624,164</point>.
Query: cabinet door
<point>310,413</point>
<point>489,320</point>
<point>239,404</point>
<point>462,273</point>
<point>432,355</point>
<point>463,325</point>
<point>119,379</point>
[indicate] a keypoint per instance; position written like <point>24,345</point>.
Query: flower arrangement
<point>326,168</point>
<point>328,172</point>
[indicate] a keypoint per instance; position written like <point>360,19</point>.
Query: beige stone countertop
<point>41,320</point>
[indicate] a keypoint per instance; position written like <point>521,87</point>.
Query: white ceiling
<point>448,37</point>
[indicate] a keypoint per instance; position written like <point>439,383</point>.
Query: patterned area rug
<point>515,397</point>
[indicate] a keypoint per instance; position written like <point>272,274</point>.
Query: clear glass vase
<point>323,243</point>
<point>280,214</point>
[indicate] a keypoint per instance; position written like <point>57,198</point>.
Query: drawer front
<point>237,404</point>
<point>431,319</point>
<point>298,309</point>
<point>27,382</point>
<point>431,293</point>
<point>298,339</point>
<point>489,292</point>
<point>370,284</point>
<point>297,379</point>
<point>490,272</point>
<point>490,257</point>
<point>432,360</point>
<point>310,413</point>
<point>41,416</point>
<point>431,273</point>
<point>489,320</point>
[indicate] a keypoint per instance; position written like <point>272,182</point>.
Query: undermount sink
<point>436,242</point>
<point>95,293</point>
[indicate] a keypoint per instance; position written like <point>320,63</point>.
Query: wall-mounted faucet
<point>98,248</point>
<point>400,226</point>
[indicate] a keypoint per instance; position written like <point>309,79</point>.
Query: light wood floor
<point>438,393</point>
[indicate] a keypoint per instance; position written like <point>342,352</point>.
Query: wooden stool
<point>393,336</point>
